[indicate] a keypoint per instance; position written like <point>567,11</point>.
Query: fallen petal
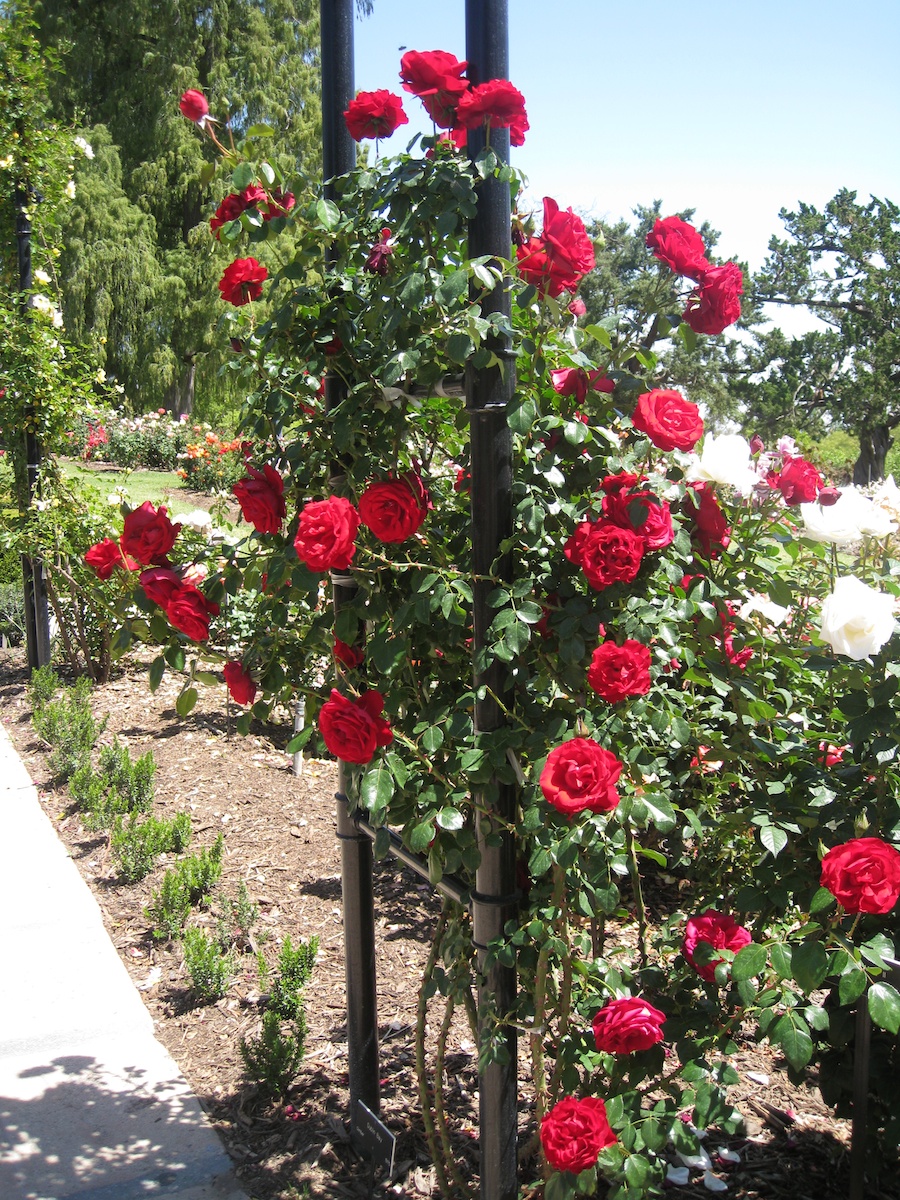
<point>678,1175</point>
<point>712,1184</point>
<point>729,1156</point>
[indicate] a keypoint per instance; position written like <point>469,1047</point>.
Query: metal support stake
<point>859,1130</point>
<point>487,394</point>
<point>339,157</point>
<point>37,612</point>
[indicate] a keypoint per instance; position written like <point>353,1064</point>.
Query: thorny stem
<point>440,1115</point>
<point>421,1070</point>
<point>634,874</point>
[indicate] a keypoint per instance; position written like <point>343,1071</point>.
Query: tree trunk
<point>181,391</point>
<point>874,443</point>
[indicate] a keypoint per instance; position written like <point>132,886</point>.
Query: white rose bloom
<point>853,516</point>
<point>41,276</point>
<point>85,147</point>
<point>198,520</point>
<point>888,497</point>
<point>725,459</point>
<point>70,189</point>
<point>773,613</point>
<point>856,620</point>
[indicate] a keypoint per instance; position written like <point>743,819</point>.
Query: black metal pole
<point>338,157</point>
<point>488,392</point>
<point>859,1133</point>
<point>37,615</point>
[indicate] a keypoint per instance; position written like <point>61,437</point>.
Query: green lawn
<point>160,487</point>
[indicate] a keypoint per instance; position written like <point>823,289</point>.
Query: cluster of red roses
<point>437,78</point>
<point>254,196</point>
<point>147,537</point>
<point>562,255</point>
<point>714,304</point>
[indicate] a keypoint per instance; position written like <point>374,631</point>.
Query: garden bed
<point>279,841</point>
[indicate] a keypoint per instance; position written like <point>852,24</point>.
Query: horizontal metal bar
<point>448,885</point>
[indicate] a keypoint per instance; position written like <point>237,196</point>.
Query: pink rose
<point>715,929</point>
<point>628,1025</point>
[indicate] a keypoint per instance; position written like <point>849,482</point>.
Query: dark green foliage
<point>210,968</point>
<point>295,967</point>
<point>136,844</point>
<point>134,780</point>
<point>69,728</point>
<point>183,886</point>
<point>273,1059</point>
<point>43,686</point>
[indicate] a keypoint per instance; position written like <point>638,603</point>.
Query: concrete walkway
<point>91,1105</point>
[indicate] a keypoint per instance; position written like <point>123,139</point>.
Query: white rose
<point>856,620</point>
<point>725,459</point>
<point>851,518</point>
<point>773,613</point>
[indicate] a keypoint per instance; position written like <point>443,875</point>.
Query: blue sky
<point>735,110</point>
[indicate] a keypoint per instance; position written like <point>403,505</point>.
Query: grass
<point>160,487</point>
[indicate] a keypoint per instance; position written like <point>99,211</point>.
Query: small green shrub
<point>137,844</point>
<point>294,971</point>
<point>211,969</point>
<point>238,918</point>
<point>182,886</point>
<point>272,1060</point>
<point>68,726</point>
<point>12,614</point>
<point>133,780</point>
<point>43,686</point>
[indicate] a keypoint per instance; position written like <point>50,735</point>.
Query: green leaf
<point>523,416</point>
<point>459,347</point>
<point>376,790</point>
<point>328,214</point>
<point>539,862</point>
<point>773,838</point>
<point>207,173</point>
<point>809,965</point>
<point>260,131</point>
<point>688,337</point>
<point>432,739</point>
<point>749,961</point>
<point>242,176</point>
<point>884,1006</point>
<point>452,288</point>
<point>422,836</point>
<point>157,669</point>
<point>560,1186</point>
<point>206,678</point>
<point>382,844</point>
<point>821,900</point>
<point>186,701</point>
<point>780,956</point>
<point>450,818</point>
<point>876,949</point>
<point>793,1037</point>
<point>852,985</point>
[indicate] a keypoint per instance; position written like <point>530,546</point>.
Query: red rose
<point>229,210</point>
<point>354,729</point>
<point>574,1132</point>
<point>566,241</point>
<point>580,775</point>
<point>710,531</point>
<point>240,683</point>
<point>377,261</point>
<point>646,514</point>
<point>261,497</point>
<point>435,76</point>
<point>148,535</point>
<point>715,303</point>
<point>350,656</point>
<point>605,552</point>
<point>799,481</point>
<point>392,510</point>
<point>863,875</point>
<point>242,281</point>
<point>679,246</point>
<point>279,204</point>
<point>105,556</point>
<point>374,115</point>
<point>190,611</point>
<point>574,381</point>
<point>669,421</point>
<point>718,930</point>
<point>159,584</point>
<point>194,106</point>
<point>495,102</point>
<point>326,533</point>
<point>458,139</point>
<point>619,671</point>
<point>625,1026</point>
<point>534,266</point>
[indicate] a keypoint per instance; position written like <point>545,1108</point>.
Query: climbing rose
<point>350,656</point>
<point>715,303</point>
<point>148,534</point>
<point>669,421</point>
<point>326,533</point>
<point>863,875</point>
<point>240,683</point>
<point>495,102</point>
<point>798,481</point>
<point>561,256</point>
<point>575,381</point>
<point>711,531</point>
<point>574,1132</point>
<point>392,509</point>
<point>617,672</point>
<point>354,729</point>
<point>159,584</point>
<point>580,775</point>
<point>242,281</point>
<point>605,552</point>
<point>679,246</point>
<point>648,516</point>
<point>234,204</point>
<point>261,497</point>
<point>856,619</point>
<point>105,556</point>
<point>718,930</point>
<point>627,1025</point>
<point>377,261</point>
<point>190,611</point>
<point>375,115</point>
<point>194,106</point>
<point>435,76</point>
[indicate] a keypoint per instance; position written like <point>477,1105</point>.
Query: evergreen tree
<point>140,266</point>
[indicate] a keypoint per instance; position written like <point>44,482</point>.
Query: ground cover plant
<point>692,641</point>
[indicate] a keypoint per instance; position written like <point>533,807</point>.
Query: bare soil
<point>279,833</point>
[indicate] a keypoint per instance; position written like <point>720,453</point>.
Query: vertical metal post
<point>859,1134</point>
<point>487,394</point>
<point>37,614</point>
<point>338,157</point>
